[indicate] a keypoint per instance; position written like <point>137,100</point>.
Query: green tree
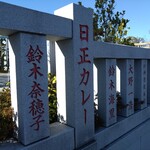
<point>52,94</point>
<point>136,39</point>
<point>109,26</point>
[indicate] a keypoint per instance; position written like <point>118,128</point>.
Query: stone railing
<point>76,56</point>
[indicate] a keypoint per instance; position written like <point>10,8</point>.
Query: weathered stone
<point>126,103</point>
<point>29,86</point>
<point>17,19</point>
<point>107,91</point>
<point>140,84</point>
<point>78,79</point>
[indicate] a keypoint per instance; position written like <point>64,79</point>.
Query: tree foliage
<point>134,39</point>
<point>109,26</point>
<point>52,95</point>
<point>7,126</point>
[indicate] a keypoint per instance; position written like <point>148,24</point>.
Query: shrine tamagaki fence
<point>76,55</point>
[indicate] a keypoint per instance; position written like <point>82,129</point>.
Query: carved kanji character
<point>84,35</point>
<point>85,77</point>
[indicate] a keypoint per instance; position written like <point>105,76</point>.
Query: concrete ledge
<point>105,136</point>
<point>138,139</point>
<point>25,20</point>
<point>62,138</point>
<point>89,146</point>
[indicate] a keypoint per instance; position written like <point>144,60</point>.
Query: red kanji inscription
<point>85,77</point>
<point>35,71</point>
<point>130,105</point>
<point>38,119</point>
<point>34,55</point>
<point>111,71</point>
<point>84,56</point>
<point>130,69</point>
<point>36,90</point>
<point>84,35</point>
<point>85,115</point>
<point>84,100</point>
<point>36,107</point>
<point>111,85</point>
<point>111,99</point>
<point>130,81</point>
<point>111,113</point>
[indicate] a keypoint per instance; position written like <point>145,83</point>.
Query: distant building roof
<point>143,45</point>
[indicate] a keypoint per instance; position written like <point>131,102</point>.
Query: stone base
<point>89,146</point>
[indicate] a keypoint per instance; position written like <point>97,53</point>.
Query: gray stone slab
<point>62,138</point>
<point>109,50</point>
<point>126,67</point>
<point>89,146</point>
<point>78,62</point>
<point>136,139</point>
<point>105,136</point>
<point>141,83</point>
<point>107,90</point>
<point>148,81</point>
<point>26,20</point>
<point>30,87</point>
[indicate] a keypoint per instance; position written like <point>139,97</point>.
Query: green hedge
<point>7,126</point>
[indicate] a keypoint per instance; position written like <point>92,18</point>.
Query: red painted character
<point>36,107</point>
<point>111,71</point>
<point>111,99</point>
<point>85,77</point>
<point>36,90</point>
<point>130,69</point>
<point>111,85</point>
<point>35,71</point>
<point>38,119</point>
<point>130,81</point>
<point>84,100</point>
<point>34,55</point>
<point>84,56</point>
<point>84,35</point>
<point>131,93</point>
<point>111,113</point>
<point>130,105</point>
<point>85,115</point>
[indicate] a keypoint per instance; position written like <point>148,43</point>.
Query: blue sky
<point>137,11</point>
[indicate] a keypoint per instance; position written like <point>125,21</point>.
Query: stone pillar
<point>140,84</point>
<point>126,104</point>
<point>78,78</point>
<point>148,81</point>
<point>52,58</point>
<point>107,90</point>
<point>29,85</point>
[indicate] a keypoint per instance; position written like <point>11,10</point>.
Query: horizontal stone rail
<point>110,50</point>
<point>18,19</point>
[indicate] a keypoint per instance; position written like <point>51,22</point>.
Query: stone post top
<point>81,10</point>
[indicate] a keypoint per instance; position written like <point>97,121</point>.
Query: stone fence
<point>82,67</point>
